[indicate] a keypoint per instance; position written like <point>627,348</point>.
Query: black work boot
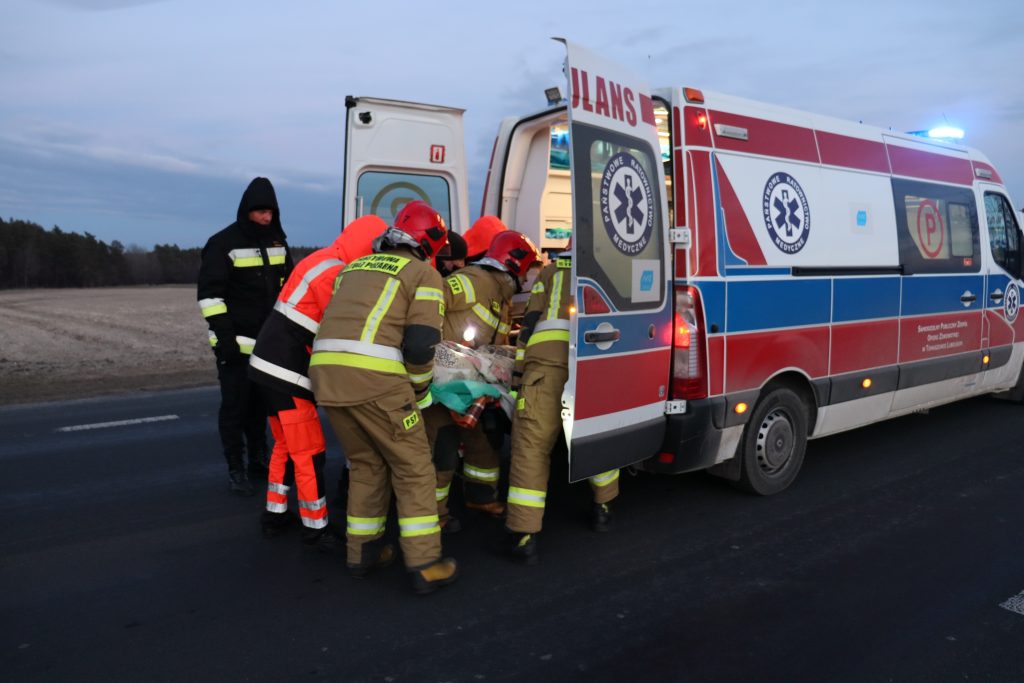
<point>429,578</point>
<point>276,523</point>
<point>326,540</point>
<point>450,524</point>
<point>240,483</point>
<point>376,555</point>
<point>523,547</point>
<point>601,517</point>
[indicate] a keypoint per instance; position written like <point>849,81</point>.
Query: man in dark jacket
<point>243,269</point>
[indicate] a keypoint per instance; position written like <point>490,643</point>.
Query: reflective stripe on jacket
<point>378,333</point>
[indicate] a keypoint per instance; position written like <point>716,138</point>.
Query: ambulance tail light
<point>689,359</point>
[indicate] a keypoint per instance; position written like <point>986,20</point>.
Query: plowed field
<point>72,343</point>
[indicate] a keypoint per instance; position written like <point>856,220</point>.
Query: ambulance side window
<point>1003,234</point>
<point>384,194</point>
<point>938,228</point>
<point>618,216</point>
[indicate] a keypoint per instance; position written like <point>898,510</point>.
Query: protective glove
<point>227,351</point>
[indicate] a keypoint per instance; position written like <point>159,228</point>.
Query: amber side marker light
<point>985,359</point>
<point>740,408</point>
<point>693,95</point>
<point>866,383</point>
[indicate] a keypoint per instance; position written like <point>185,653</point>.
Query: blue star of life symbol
<point>629,199</point>
<point>784,205</point>
<point>787,213</point>
<point>1011,302</point>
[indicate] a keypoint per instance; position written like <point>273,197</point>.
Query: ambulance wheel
<point>773,444</point>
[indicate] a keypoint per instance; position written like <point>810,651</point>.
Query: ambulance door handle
<point>968,298</point>
<point>596,337</point>
<point>996,295</point>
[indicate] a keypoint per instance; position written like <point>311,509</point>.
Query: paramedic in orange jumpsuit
<point>280,365</point>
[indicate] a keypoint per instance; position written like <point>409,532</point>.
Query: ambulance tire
<point>773,444</point>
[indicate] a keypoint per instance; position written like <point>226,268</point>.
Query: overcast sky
<point>143,121</point>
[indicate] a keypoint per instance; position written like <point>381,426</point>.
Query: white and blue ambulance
<point>747,276</point>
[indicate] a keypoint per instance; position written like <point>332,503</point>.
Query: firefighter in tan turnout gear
<point>542,360</point>
<point>476,302</point>
<point>371,369</point>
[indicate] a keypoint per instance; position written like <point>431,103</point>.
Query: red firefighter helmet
<point>512,252</point>
<point>424,225</point>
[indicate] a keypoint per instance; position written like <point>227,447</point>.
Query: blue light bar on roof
<point>946,133</point>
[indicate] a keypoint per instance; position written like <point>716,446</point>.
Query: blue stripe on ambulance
<point>632,328</point>
<point>1000,282</point>
<point>771,304</point>
<point>928,294</point>
<point>872,298</point>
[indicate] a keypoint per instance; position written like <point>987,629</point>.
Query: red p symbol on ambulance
<point>437,154</point>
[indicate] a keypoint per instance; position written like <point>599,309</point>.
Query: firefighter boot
<point>601,517</point>
<point>376,555</point>
<point>240,483</point>
<point>523,548</point>
<point>450,524</point>
<point>276,523</point>
<point>429,578</point>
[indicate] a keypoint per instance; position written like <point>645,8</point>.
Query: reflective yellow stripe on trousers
<point>366,526</point>
<point>526,497</point>
<point>419,526</point>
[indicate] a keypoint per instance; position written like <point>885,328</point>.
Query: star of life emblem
<point>787,214</point>
<point>627,204</point>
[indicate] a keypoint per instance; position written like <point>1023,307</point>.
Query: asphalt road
<point>123,557</point>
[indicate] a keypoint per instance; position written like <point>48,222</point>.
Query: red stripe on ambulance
<point>780,140</point>
<point>866,345</point>
<point>741,235</point>
<point>599,371</point>
<point>752,359</point>
<point>841,150</point>
<point>707,257</point>
<point>919,164</point>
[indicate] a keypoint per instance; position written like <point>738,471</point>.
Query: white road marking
<point>118,423</point>
<point>1015,604</point>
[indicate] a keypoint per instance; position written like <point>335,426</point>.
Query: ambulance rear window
<point>384,194</point>
<point>938,228</point>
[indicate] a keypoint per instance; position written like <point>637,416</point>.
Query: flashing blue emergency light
<point>946,133</point>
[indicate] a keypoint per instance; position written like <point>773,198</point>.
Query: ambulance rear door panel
<point>1004,326</point>
<point>943,285</point>
<point>619,349</point>
<point>397,152</point>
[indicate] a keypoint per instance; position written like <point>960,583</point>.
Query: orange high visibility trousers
<point>298,438</point>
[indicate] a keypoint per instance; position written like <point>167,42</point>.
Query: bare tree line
<point>31,256</point>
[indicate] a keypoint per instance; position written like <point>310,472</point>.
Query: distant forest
<point>31,256</point>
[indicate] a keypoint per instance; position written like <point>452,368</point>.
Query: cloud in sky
<point>143,121</point>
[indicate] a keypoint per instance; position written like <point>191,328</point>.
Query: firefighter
<point>242,271</point>
<point>280,365</point>
<point>480,235</point>
<point>542,359</point>
<point>452,256</point>
<point>476,313</point>
<point>371,368</point>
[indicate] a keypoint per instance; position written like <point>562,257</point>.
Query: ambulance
<point>747,277</point>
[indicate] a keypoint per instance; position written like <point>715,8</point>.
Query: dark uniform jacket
<point>243,269</point>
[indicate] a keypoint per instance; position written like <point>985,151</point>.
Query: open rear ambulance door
<point>620,340</point>
<point>396,152</point>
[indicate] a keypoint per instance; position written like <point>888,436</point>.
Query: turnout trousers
<point>536,427</point>
<point>299,441</point>
<point>242,419</point>
<point>386,445</point>
<point>481,466</point>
